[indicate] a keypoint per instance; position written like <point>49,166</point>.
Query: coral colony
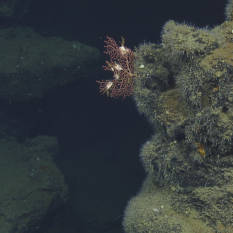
<point>122,65</point>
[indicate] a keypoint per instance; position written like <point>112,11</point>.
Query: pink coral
<point>122,65</point>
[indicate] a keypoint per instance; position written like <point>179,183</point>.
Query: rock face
<point>185,90</point>
<point>31,185</point>
<point>31,64</point>
<point>13,10</point>
<point>7,8</point>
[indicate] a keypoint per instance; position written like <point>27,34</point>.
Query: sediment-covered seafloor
<point>185,89</point>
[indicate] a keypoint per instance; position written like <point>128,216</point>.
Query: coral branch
<point>122,65</point>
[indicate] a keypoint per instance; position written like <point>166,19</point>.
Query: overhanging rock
<point>31,64</point>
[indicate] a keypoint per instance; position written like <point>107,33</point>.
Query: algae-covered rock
<point>184,87</point>
<point>182,39</point>
<point>31,184</point>
<point>168,209</point>
<point>7,8</point>
<point>31,64</point>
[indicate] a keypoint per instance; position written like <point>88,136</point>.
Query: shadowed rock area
<point>31,184</point>
<point>31,64</point>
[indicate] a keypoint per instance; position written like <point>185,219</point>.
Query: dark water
<point>99,137</point>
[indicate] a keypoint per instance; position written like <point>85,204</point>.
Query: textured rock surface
<point>31,64</point>
<point>7,8</point>
<point>185,90</point>
<point>31,185</point>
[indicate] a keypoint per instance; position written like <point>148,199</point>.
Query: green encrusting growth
<point>185,89</point>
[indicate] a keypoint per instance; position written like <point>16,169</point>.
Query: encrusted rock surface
<point>31,184</point>
<point>185,91</point>
<point>31,64</point>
